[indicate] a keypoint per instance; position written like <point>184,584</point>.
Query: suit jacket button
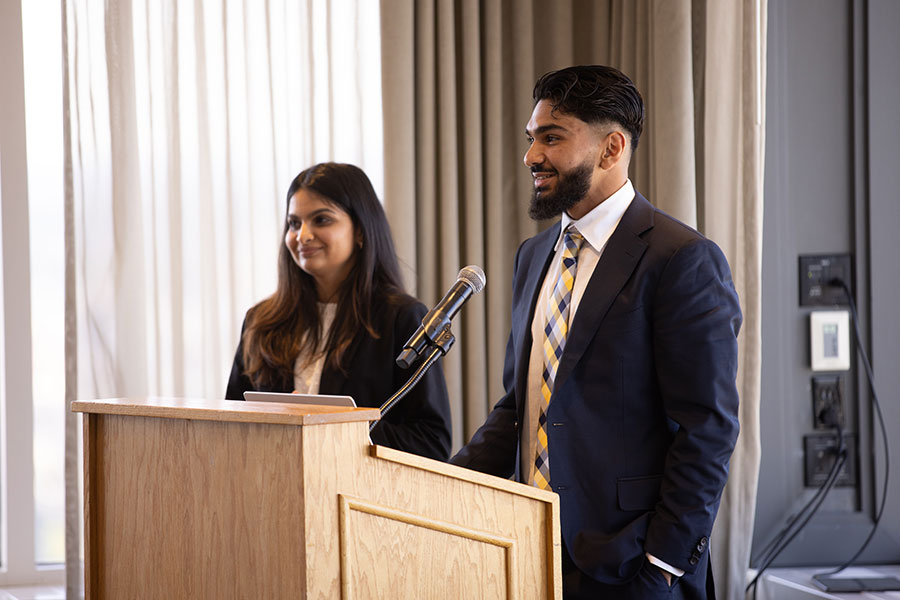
<point>694,560</point>
<point>699,547</point>
<point>703,541</point>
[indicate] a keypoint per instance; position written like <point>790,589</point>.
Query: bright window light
<point>42,50</point>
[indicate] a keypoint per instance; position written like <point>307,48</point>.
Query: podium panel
<point>219,499</point>
<point>374,536</point>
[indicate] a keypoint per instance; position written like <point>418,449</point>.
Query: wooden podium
<point>222,499</point>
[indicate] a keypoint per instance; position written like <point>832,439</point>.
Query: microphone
<point>469,281</point>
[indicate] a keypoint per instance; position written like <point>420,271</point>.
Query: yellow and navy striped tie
<point>554,341</point>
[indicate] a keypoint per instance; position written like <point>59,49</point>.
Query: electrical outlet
<point>816,271</point>
<point>820,452</point>
<point>827,401</point>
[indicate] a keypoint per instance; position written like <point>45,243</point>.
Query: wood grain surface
<point>185,500</point>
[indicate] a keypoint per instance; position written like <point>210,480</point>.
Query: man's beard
<point>570,189</point>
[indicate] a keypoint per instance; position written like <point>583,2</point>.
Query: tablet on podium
<point>320,399</point>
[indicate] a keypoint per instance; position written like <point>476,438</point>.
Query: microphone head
<point>473,276</point>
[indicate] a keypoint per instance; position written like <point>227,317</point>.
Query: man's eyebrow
<point>545,129</point>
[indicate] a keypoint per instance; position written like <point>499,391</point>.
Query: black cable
<point>765,553</point>
<point>814,503</point>
<point>774,544</point>
<point>839,462</point>
<point>829,418</point>
<point>812,506</point>
<point>877,405</point>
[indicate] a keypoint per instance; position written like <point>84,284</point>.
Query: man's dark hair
<point>594,94</point>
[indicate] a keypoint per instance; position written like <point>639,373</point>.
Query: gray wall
<point>832,186</point>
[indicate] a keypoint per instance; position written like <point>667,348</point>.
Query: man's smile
<point>542,177</point>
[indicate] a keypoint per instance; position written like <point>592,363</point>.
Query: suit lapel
<point>621,256</point>
<point>523,315</point>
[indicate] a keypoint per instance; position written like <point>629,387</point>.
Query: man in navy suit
<point>629,320</point>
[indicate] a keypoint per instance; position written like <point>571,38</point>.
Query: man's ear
<point>614,149</point>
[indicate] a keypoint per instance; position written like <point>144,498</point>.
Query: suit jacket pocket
<point>638,493</point>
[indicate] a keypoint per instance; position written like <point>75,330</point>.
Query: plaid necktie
<point>554,342</point>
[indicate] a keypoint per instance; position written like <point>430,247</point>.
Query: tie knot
<point>573,240</point>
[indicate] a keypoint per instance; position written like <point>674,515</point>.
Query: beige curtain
<point>457,80</point>
<point>185,122</point>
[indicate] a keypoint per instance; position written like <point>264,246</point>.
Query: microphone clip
<point>435,334</point>
<point>444,339</point>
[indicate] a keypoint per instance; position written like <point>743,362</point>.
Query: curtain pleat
<point>470,221</point>
<point>734,143</point>
<point>74,571</point>
<point>458,79</point>
<point>397,43</point>
<point>497,158</point>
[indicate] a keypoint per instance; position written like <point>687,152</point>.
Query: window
<point>44,140</point>
<point>33,373</point>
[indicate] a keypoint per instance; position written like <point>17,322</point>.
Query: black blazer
<point>420,422</point>
<point>644,410</point>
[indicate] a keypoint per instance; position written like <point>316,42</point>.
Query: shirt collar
<point>598,225</point>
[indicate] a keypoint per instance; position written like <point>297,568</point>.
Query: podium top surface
<point>225,410</point>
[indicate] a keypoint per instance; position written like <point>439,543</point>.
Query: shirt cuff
<point>664,565</point>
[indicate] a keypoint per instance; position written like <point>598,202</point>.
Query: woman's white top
<point>309,364</point>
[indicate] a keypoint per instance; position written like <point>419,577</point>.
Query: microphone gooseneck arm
<point>442,344</point>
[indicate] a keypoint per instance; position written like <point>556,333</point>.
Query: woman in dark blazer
<point>339,316</point>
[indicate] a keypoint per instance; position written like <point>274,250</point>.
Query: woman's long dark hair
<point>281,326</point>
